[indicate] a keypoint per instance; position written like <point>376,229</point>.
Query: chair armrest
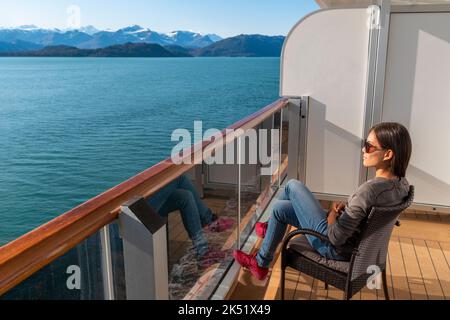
<point>303,232</point>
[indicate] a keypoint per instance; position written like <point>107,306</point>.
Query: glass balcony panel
<point>191,276</point>
<point>77,275</point>
<point>256,189</point>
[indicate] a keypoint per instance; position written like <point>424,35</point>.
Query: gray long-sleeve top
<point>378,192</point>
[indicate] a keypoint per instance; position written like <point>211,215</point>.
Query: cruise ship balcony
<point>344,68</point>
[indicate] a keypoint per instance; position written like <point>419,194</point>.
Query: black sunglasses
<point>370,148</point>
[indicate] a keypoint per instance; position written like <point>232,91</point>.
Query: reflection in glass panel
<point>256,191</point>
<point>77,275</point>
<point>196,265</point>
<point>268,161</point>
<point>220,194</point>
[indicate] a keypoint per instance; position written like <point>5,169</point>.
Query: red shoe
<point>249,262</point>
<point>220,225</point>
<point>211,257</point>
<point>261,229</point>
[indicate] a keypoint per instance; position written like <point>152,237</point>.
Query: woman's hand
<point>335,212</point>
<point>338,206</point>
<point>332,217</point>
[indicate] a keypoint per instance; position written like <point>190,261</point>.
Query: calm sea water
<point>73,128</point>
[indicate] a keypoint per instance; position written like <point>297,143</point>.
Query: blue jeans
<point>297,207</point>
<point>181,195</point>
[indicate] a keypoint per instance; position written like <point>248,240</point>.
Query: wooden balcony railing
<point>23,257</point>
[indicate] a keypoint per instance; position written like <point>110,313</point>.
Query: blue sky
<point>223,17</point>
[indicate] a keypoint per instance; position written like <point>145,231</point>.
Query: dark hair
<point>395,137</point>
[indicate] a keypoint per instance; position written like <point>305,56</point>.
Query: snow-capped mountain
<point>29,34</point>
<point>133,29</point>
<point>214,37</point>
<point>90,30</point>
<point>91,38</point>
<point>30,27</point>
<point>191,39</point>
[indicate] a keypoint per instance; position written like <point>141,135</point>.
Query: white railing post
<point>145,251</point>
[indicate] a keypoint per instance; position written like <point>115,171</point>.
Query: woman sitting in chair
<point>388,150</point>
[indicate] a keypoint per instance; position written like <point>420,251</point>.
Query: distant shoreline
<point>241,46</point>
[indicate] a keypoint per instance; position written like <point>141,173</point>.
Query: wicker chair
<point>349,276</point>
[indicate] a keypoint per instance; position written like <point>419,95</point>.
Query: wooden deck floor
<point>418,267</point>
